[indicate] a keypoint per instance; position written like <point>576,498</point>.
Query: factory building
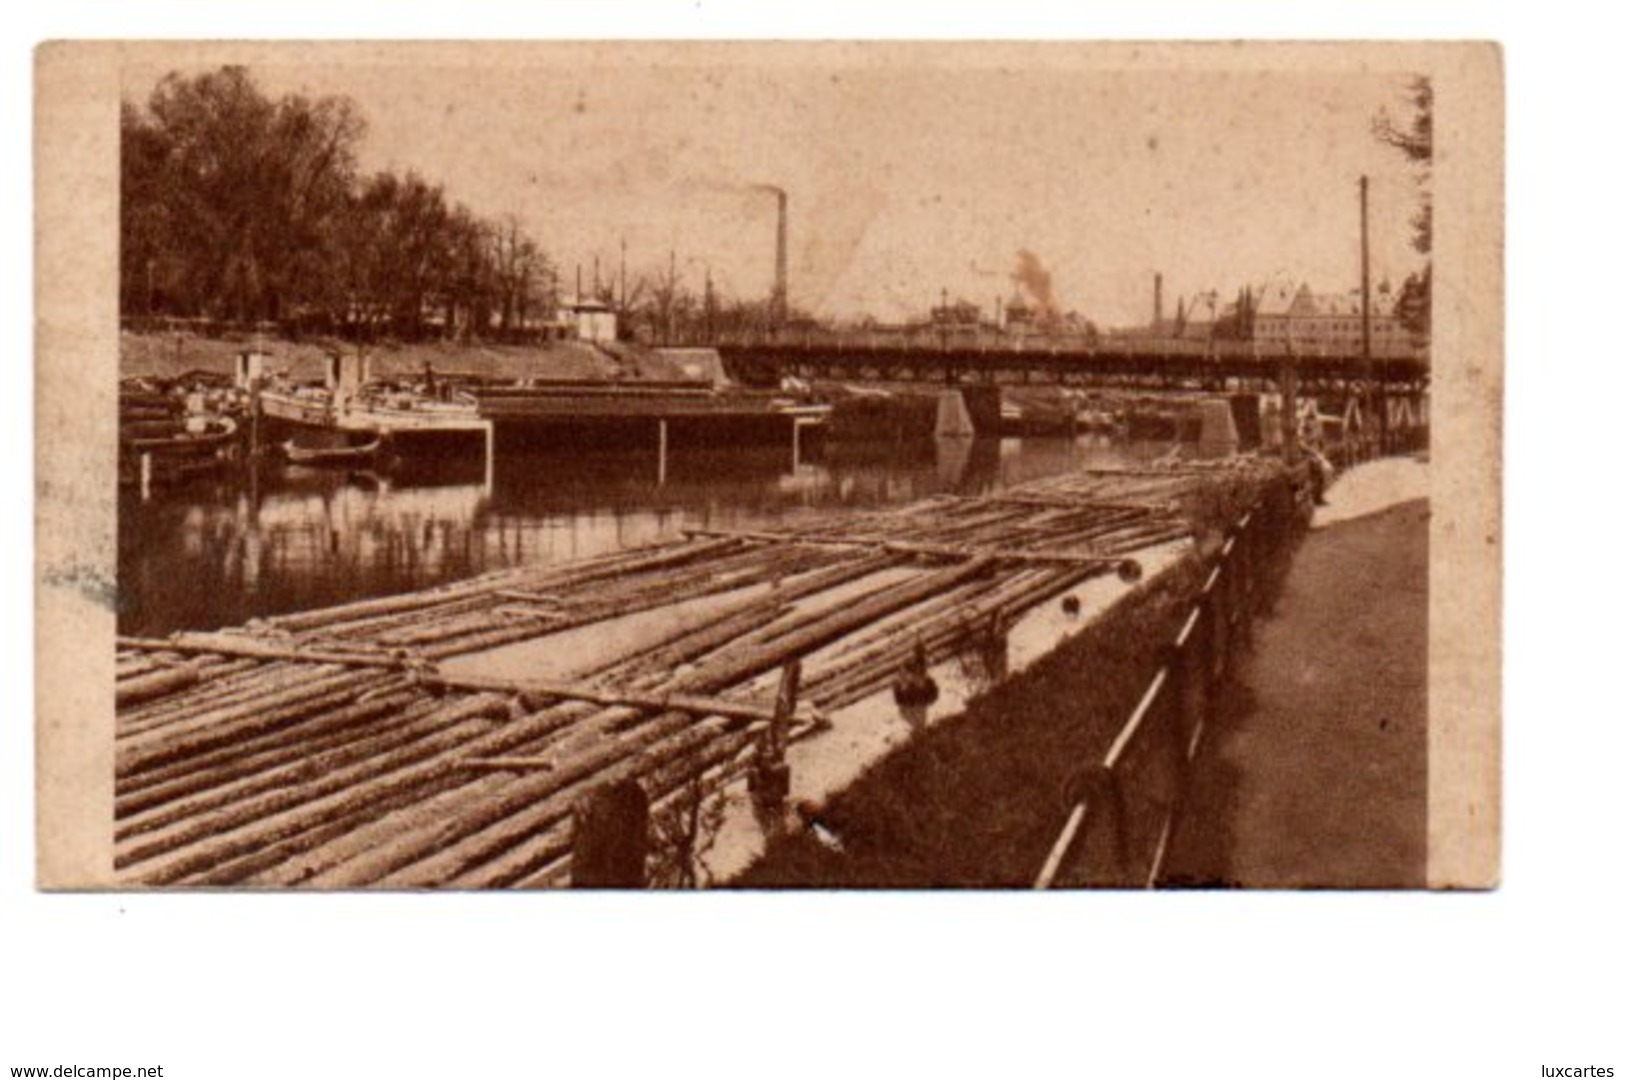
<point>1311,320</point>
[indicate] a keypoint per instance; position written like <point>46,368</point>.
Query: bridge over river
<point>953,356</point>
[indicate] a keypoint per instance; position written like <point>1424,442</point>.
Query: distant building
<point>957,314</point>
<point>1197,317</point>
<point>590,320</point>
<point>1018,316</point>
<point>1311,320</point>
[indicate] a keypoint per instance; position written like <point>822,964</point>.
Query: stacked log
<point>328,749</point>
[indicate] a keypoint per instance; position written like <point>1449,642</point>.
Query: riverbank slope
<point>974,801</point>
<point>168,356</point>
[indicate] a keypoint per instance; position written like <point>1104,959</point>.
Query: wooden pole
<point>1289,406</point>
<point>1373,395</point>
<point>1209,685</point>
<point>694,704</point>
<point>1241,563</point>
<point>611,846</point>
<point>1183,719</point>
<point>662,468</point>
<point>146,475</point>
<point>490,455</point>
<point>784,710</point>
<point>770,779</point>
<point>155,684</point>
<point>1365,287</point>
<point>254,410</point>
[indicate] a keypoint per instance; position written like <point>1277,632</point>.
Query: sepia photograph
<point>814,540</point>
<point>771,466</point>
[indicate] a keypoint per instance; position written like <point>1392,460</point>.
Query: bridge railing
<point>988,340</point>
<point>1123,810</point>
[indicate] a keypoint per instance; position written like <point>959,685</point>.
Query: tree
<point>1415,141</point>
<point>229,197</point>
<point>660,306</point>
<point>237,206</point>
<point>407,230</point>
<point>145,258</point>
<point>309,173</point>
<point>518,265</point>
<point>1412,304</point>
<point>253,180</point>
<point>468,288</point>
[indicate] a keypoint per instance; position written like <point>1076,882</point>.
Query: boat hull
<point>150,454</point>
<point>618,418</point>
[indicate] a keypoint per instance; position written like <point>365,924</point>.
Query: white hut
<point>592,320</point>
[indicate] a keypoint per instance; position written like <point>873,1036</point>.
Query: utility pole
<point>781,263</point>
<point>710,309</point>
<point>1289,401</point>
<point>1369,399</point>
<point>623,273</point>
<point>671,299</point>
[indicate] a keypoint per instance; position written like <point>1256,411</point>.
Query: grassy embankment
<point>160,355</point>
<point>975,799</point>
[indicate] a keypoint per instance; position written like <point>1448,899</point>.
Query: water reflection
<point>270,539</point>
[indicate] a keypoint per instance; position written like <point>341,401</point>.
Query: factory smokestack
<point>781,265</point>
<point>778,305</point>
<point>1156,303</point>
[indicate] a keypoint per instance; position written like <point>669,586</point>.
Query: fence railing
<point>1125,808</point>
<point>938,339</point>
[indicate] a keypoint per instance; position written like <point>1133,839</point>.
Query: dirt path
<point>1319,778</point>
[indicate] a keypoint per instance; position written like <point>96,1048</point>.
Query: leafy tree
<point>1414,139</point>
<point>409,228</point>
<point>229,196</point>
<point>1412,305</point>
<point>146,263</point>
<point>239,207</point>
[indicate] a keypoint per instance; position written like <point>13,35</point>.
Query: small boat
<point>332,456</point>
<point>182,436</point>
<point>171,450</point>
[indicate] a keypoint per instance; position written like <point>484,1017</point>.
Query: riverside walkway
<point>1318,776</point>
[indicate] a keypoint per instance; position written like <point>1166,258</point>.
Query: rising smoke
<point>1035,283</point>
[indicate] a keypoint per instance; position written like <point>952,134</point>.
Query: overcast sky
<point>903,179</point>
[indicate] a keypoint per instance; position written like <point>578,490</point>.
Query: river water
<point>274,539</point>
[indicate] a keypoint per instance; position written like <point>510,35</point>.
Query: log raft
<point>342,747</point>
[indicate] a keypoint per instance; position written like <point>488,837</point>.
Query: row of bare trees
<point>243,208</point>
<point>660,306</point>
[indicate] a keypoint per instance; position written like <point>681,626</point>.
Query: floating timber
<point>362,744</point>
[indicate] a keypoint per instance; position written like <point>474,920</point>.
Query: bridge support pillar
<point>1219,437</point>
<point>985,402</point>
<point>953,416</point>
